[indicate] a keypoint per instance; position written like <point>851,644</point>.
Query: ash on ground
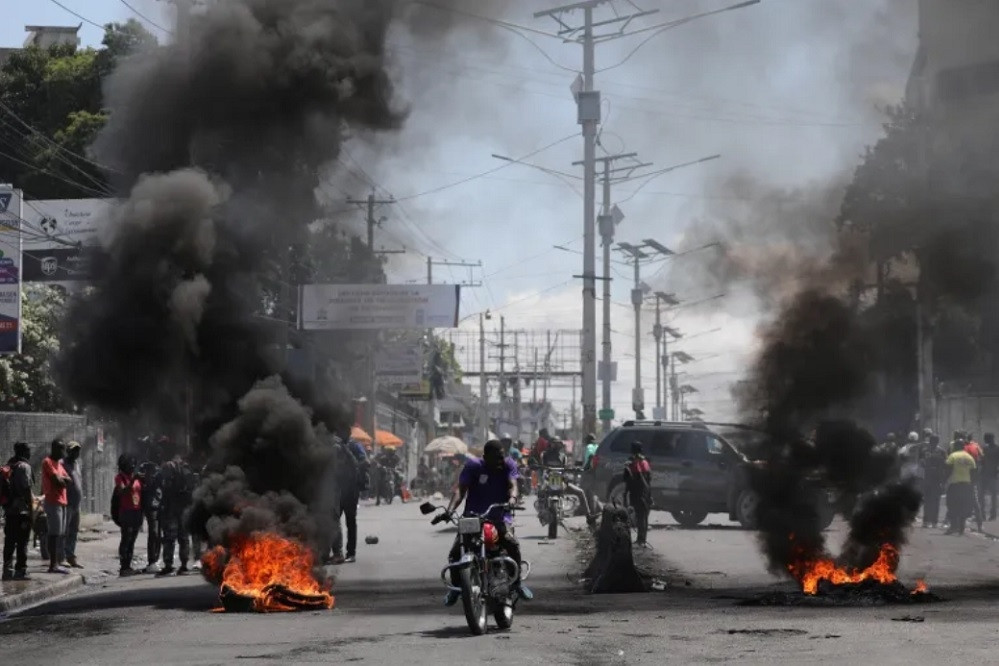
<point>867,593</point>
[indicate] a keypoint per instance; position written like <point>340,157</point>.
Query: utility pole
<point>502,371</point>
<point>518,417</point>
<point>483,398</point>
<point>637,300</point>
<point>371,202</point>
<point>658,332</point>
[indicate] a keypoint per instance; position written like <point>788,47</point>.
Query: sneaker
<point>151,568</point>
<point>183,570</point>
<point>73,562</point>
<point>7,575</point>
<point>337,559</point>
<point>58,570</point>
<point>524,592</point>
<point>165,571</point>
<point>350,559</point>
<point>126,572</point>
<point>196,566</point>
<point>451,598</point>
<point>21,575</point>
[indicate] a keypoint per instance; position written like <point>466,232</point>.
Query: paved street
<point>389,610</point>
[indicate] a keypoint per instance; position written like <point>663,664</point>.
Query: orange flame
<point>921,587</point>
<point>810,572</point>
<point>253,564</point>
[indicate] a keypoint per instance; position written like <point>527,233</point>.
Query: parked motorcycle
<point>484,571</point>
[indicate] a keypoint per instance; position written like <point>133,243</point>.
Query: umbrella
<point>356,432</point>
<point>447,445</point>
<point>386,439</point>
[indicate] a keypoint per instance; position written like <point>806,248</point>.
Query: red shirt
<point>130,492</point>
<point>640,466</point>
<point>51,471</point>
<point>540,446</point>
<point>975,451</point>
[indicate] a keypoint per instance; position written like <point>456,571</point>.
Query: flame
<point>810,572</point>
<point>253,564</point>
<point>921,587</point>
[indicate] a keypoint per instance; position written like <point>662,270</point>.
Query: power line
<point>79,16</point>
<point>146,18</point>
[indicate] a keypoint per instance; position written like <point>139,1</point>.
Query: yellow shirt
<point>961,463</point>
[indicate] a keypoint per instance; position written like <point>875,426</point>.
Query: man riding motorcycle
<point>481,484</point>
<point>555,457</point>
<point>389,462</point>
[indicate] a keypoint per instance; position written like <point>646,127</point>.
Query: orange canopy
<point>356,432</point>
<point>387,439</point>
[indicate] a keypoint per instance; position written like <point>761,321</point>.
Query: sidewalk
<point>97,550</point>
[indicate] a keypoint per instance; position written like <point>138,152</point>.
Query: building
<point>43,37</point>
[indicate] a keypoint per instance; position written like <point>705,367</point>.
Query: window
<point>692,445</point>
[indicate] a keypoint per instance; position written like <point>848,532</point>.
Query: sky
<point>788,92</point>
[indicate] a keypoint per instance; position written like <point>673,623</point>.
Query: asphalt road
<point>388,610</point>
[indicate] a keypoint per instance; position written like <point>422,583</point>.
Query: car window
<point>716,447</point>
<point>622,443</point>
<point>663,444</point>
<point>619,442</point>
<point>692,445</point>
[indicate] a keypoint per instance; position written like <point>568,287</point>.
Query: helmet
<point>490,535</point>
<point>914,436</point>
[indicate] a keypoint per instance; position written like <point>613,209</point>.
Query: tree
<point>52,110</point>
<point>26,381</point>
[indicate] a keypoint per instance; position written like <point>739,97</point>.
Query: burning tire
<point>689,517</point>
<point>746,507</point>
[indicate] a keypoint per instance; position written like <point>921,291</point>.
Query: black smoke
<point>218,142</point>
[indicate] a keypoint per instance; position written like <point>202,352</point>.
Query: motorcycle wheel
<point>472,599</point>
<point>503,613</point>
<point>553,527</point>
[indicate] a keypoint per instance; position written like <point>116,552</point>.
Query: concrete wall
<point>100,443</point>
<point>977,413</point>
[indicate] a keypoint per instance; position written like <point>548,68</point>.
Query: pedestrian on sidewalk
<point>126,511</point>
<point>149,472</point>
<point>17,506</point>
<point>987,479</point>
<point>638,482</point>
<point>55,481</point>
<point>934,481</point>
<point>960,492</point>
<point>74,495</point>
<point>175,494</point>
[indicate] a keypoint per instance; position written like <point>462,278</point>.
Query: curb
<point>15,602</point>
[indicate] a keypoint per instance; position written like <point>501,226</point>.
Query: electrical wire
<point>79,16</point>
<point>146,18</point>
<point>83,188</point>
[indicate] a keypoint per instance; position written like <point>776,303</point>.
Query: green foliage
<point>56,97</point>
<point>26,382</point>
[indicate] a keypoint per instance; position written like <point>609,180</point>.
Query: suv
<point>695,471</point>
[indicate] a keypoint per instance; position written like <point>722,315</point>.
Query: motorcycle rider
<point>389,462</point>
<point>556,457</point>
<point>484,482</point>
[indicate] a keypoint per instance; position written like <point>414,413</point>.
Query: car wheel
<point>689,517</point>
<point>746,509</point>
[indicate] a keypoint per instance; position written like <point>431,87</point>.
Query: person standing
<point>126,511</point>
<point>990,470</point>
<point>960,493</point>
<point>351,465</point>
<point>17,505</point>
<point>74,495</point>
<point>175,493</point>
<point>55,481</point>
<point>638,482</point>
<point>590,451</point>
<point>934,480</point>
<point>149,475</point>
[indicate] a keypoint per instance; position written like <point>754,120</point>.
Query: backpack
<point>6,488</point>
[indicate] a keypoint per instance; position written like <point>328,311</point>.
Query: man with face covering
<point>482,483</point>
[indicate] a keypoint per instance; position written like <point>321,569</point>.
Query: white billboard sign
<point>10,270</point>
<point>63,221</point>
<point>328,307</point>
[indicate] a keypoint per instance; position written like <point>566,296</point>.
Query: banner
<point>399,363</point>
<point>328,307</point>
<point>64,222</point>
<point>10,270</point>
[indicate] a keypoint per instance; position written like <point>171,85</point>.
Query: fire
<point>272,571</point>
<point>921,587</point>
<point>810,572</point>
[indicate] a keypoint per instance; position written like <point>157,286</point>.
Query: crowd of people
<point>962,472</point>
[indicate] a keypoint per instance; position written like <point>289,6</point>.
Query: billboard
<point>399,363</point>
<point>10,270</point>
<point>64,222</point>
<point>328,307</point>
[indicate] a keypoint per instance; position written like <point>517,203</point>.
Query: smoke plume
<point>217,142</point>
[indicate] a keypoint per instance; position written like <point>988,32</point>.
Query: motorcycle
<point>553,505</point>
<point>386,487</point>
<point>484,571</point>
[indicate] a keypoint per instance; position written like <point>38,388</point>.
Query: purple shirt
<point>487,486</point>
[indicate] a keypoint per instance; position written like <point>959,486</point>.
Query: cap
<point>913,436</point>
<point>72,445</point>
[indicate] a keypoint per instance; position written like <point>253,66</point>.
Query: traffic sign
<point>606,414</point>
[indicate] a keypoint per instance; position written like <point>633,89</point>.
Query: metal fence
<point>99,456</point>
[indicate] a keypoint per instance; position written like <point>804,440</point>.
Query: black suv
<point>695,470</point>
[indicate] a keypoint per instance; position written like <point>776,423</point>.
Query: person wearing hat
<point>74,496</point>
<point>17,515</point>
